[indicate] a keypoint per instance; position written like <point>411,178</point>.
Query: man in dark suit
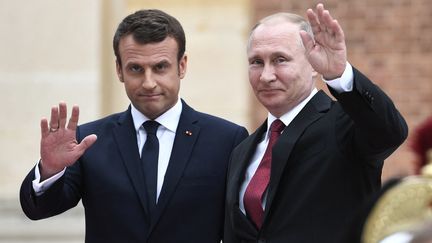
<point>330,154</point>
<point>172,191</point>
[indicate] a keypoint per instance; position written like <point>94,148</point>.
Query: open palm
<point>326,52</point>
<point>59,147</point>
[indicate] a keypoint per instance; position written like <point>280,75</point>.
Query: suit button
<point>368,96</point>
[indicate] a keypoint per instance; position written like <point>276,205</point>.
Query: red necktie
<point>260,180</point>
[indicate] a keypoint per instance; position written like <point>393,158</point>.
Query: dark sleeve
<point>50,203</point>
<point>64,194</point>
<point>378,127</point>
<point>241,134</point>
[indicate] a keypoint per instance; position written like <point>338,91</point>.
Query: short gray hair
<point>285,17</point>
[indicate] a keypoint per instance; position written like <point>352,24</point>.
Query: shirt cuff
<point>345,82</point>
<point>40,187</point>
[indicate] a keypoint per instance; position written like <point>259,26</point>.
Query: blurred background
<point>56,50</point>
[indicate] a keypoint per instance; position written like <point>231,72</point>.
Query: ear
<point>182,66</point>
<point>119,71</point>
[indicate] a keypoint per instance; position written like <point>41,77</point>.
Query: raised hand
<point>327,51</point>
<point>59,147</point>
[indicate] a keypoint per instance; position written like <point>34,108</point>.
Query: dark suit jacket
<point>325,163</point>
<point>109,180</point>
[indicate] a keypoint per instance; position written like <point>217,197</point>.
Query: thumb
<point>308,41</point>
<point>87,142</point>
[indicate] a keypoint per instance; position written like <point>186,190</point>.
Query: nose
<point>268,74</point>
<point>148,81</point>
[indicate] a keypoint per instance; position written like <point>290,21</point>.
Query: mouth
<point>269,91</point>
<point>150,96</point>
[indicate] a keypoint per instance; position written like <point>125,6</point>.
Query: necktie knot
<point>151,127</point>
<point>277,126</point>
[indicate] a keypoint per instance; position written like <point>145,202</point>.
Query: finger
<point>320,12</point>
<point>44,127</point>
<point>54,120</point>
<point>338,32</point>
<point>327,21</point>
<point>62,114</point>
<point>313,20</point>
<point>73,121</point>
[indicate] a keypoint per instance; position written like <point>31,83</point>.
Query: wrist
<point>46,172</point>
<point>338,72</point>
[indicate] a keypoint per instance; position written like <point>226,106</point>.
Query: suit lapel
<point>186,135</point>
<point>243,155</point>
<point>313,110</point>
<point>125,137</point>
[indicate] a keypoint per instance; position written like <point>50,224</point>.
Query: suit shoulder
<point>205,119</point>
<point>216,121</point>
<point>108,121</point>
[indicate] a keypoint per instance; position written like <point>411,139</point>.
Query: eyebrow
<point>136,62</point>
<point>164,61</point>
<point>272,55</point>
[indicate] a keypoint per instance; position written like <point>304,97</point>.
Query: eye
<point>160,67</point>
<point>135,68</point>
<point>279,60</point>
<point>256,62</point>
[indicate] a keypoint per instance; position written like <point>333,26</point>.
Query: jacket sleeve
<point>50,203</point>
<point>377,126</point>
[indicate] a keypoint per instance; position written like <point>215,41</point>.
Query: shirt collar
<point>169,119</point>
<point>290,115</point>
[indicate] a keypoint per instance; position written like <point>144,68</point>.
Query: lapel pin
<point>189,133</point>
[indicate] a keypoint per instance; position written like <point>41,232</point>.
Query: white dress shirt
<point>342,84</point>
<point>166,133</point>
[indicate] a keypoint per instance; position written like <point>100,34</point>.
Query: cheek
<point>169,84</point>
<point>253,83</point>
<point>292,76</point>
<point>254,76</point>
<point>175,88</point>
<point>131,85</point>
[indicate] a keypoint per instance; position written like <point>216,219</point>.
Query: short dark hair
<point>150,26</point>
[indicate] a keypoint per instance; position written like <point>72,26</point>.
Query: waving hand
<point>327,51</point>
<point>59,147</point>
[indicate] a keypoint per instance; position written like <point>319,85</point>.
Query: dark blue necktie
<point>149,158</point>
